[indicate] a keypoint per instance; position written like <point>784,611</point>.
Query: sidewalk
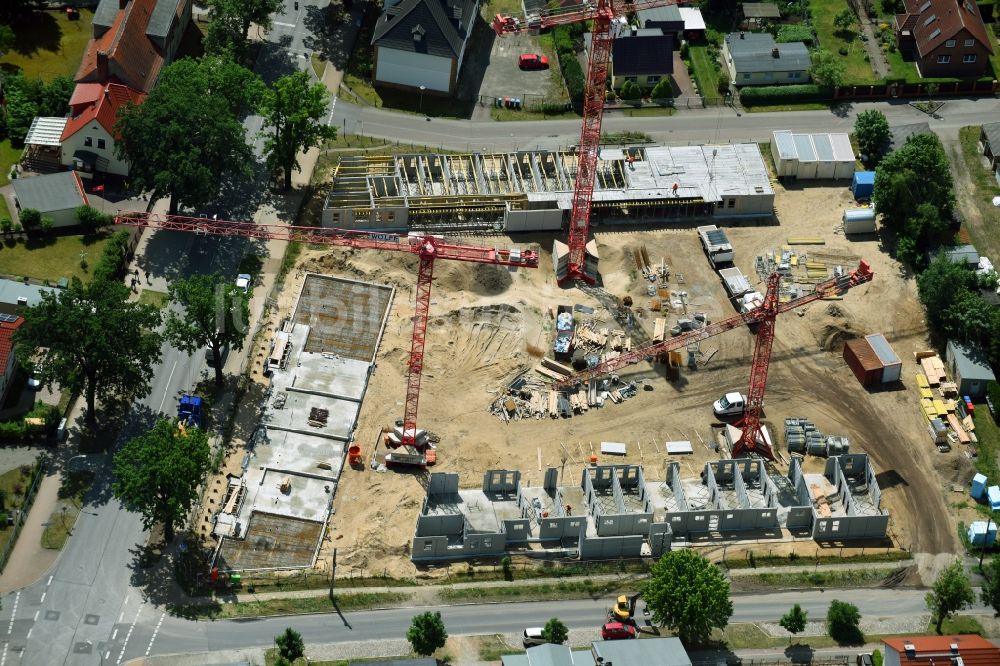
<point>29,561</point>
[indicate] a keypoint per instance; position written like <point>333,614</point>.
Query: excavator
<point>624,609</point>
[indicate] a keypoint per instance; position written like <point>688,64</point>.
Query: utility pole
<point>982,551</point>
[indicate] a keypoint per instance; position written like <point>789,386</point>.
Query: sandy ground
<point>488,324</point>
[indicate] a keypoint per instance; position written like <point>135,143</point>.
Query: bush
<point>782,94</point>
<point>993,397</point>
<point>30,218</point>
<point>723,86</point>
<point>842,50</point>
<point>46,225</point>
<point>795,33</point>
<point>550,108</point>
<point>573,75</point>
<point>630,91</point>
<point>662,90</point>
<point>111,265</point>
<point>685,51</point>
<point>92,219</point>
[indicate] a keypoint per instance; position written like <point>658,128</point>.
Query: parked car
<point>533,636</point>
<point>34,383</point>
<point>730,404</point>
<point>243,282</point>
<point>613,631</point>
<point>532,61</point>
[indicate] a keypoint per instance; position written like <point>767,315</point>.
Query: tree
<point>872,131</point>
<point>427,633</point>
<point>555,631</point>
<point>662,90</point>
<point>46,225</point>
<point>53,97</point>
<point>229,24</point>
<point>794,621</point>
<point>91,219</point>
<point>20,110</point>
<point>915,174</point>
<point>290,645</point>
<point>951,593</point>
<point>94,340</point>
<point>844,20</point>
<point>295,112</point>
<point>827,68</point>
<point>990,593</point>
<point>216,315</point>
<point>186,138</point>
<point>688,595</point>
<point>7,38</point>
<point>630,91</point>
<point>30,218</point>
<point>158,473</point>
<point>13,9</point>
<point>843,622</point>
<point>505,565</point>
<point>939,284</point>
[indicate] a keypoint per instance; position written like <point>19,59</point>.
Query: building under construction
<point>532,190</point>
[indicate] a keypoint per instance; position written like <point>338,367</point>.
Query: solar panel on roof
<point>8,318</point>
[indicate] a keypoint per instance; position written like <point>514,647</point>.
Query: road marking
<point>108,655</point>
<point>3,659</point>
<point>28,637</point>
<point>42,600</point>
<point>155,631</point>
<point>13,612</point>
<point>36,616</point>
<point>160,409</point>
<point>333,105</point>
<point>114,634</point>
<point>283,25</point>
<point>50,581</point>
<point>121,655</point>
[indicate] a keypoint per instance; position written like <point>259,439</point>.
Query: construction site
<point>502,392</point>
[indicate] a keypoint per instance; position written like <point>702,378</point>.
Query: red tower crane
<point>764,317</point>
<point>605,15</point>
<point>428,248</point>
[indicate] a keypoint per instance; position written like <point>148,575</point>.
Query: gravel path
<point>869,625</point>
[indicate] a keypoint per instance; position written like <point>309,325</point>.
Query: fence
<point>896,90</point>
<point>29,499</point>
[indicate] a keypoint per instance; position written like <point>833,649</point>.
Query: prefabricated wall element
<point>501,482</point>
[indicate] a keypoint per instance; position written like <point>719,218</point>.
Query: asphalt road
<point>689,127</point>
<point>177,635</point>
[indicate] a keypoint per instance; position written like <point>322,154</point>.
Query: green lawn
<point>9,155</point>
<point>984,188</point>
<point>51,258</point>
<point>157,299</point>
<point>48,44</point>
<point>705,74</point>
<point>989,441</point>
<point>60,524</point>
<point>856,69</point>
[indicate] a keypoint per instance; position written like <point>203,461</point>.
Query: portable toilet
<point>859,220</point>
<point>993,497</point>
<point>982,533</point>
<point>863,185</point>
<point>978,486</point>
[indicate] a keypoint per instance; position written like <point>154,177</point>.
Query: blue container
<point>863,185</point>
<point>978,486</point>
<point>993,497</point>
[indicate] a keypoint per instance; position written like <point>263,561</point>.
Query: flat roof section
<point>310,414</point>
<point>334,376</point>
<point>271,541</point>
<point>345,317</point>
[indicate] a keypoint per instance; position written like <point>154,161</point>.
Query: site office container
<point>872,360</point>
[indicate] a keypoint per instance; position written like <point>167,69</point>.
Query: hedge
<point>993,398</point>
<point>111,265</point>
<point>752,96</point>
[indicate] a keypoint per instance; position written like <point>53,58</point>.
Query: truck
<point>731,404</point>
<point>562,347</point>
<point>419,454</point>
<point>750,301</point>
<point>189,410</point>
<point>716,245</point>
<point>736,283</point>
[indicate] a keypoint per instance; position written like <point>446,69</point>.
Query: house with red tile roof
<point>967,650</point>
<point>133,40</point>
<point>8,324</point>
<point>88,140</point>
<point>946,37</point>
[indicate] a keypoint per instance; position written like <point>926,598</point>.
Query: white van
<point>533,636</point>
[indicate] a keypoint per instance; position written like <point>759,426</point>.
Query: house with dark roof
<point>133,40</point>
<point>969,650</point>
<point>755,59</point>
<point>683,23</point>
<point>946,37</point>
<point>644,56</point>
<point>55,195</point>
<point>8,325</point>
<point>420,44</point>
<point>88,140</point>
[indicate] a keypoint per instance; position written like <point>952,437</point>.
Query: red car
<point>532,61</point>
<point>613,631</point>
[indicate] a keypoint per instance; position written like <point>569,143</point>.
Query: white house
<point>88,140</point>
<point>421,43</point>
<point>755,59</point>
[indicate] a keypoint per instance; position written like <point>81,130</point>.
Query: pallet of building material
<point>556,366</point>
<point>927,353</point>
<point>940,408</point>
<point>968,424</point>
<point>933,369</point>
<point>959,430</point>
<point>922,381</point>
<point>805,240</point>
<point>581,397</point>
<point>948,389</point>
<point>655,305</point>
<point>816,264</point>
<point>542,370</point>
<point>926,393</point>
<point>659,328</point>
